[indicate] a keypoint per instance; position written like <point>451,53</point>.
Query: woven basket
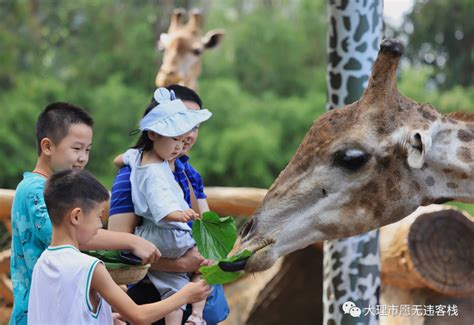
<point>128,274</point>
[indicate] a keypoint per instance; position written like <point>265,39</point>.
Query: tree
<point>441,34</point>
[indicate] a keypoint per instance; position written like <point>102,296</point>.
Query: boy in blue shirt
<point>64,139</point>
<point>122,217</point>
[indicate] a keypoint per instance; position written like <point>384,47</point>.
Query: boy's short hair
<point>54,122</point>
<point>72,188</point>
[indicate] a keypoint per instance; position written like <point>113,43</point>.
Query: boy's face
<point>73,150</point>
<point>90,223</point>
<point>168,148</point>
<point>192,136</point>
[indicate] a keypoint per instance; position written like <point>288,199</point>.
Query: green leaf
<point>111,259</point>
<point>107,256</point>
<point>215,275</point>
<point>121,266</point>
<point>214,236</point>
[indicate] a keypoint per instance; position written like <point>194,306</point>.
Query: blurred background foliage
<point>265,83</point>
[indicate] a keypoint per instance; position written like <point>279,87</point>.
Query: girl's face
<point>168,148</point>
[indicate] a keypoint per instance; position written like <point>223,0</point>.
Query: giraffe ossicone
<point>182,47</point>
<point>361,167</point>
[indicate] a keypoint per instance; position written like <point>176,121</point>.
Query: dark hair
<point>72,188</point>
<point>184,93</point>
<point>55,119</point>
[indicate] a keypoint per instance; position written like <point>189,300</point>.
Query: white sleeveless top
<point>60,287</point>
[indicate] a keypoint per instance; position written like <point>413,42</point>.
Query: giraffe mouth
<point>235,266</point>
<point>259,249</point>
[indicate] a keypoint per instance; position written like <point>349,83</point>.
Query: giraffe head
<point>182,47</point>
<point>360,167</point>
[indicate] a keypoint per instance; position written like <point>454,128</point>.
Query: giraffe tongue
<point>238,265</point>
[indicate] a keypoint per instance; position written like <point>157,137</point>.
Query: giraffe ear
<point>418,144</point>
<point>212,38</point>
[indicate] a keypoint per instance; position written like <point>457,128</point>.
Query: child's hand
<point>118,320</point>
<point>181,216</point>
<point>118,161</point>
<point>188,215</point>
<point>196,291</point>
<point>207,262</point>
<point>145,250</point>
<point>191,261</point>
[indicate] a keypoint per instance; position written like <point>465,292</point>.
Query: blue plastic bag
<point>217,308</point>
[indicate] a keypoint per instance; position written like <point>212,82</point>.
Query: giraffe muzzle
<point>235,266</point>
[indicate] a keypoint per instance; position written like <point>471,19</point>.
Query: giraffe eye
<point>351,159</point>
<point>197,51</point>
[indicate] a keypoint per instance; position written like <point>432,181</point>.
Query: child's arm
<point>118,161</point>
<point>189,262</point>
<point>197,187</point>
<point>181,216</point>
<point>144,314</point>
<point>123,222</point>
<point>106,239</point>
<point>203,206</point>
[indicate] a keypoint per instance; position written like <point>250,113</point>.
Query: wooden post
<point>6,199</point>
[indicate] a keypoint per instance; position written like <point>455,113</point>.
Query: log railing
<point>6,290</point>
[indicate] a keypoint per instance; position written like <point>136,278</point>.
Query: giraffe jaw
<point>261,259</point>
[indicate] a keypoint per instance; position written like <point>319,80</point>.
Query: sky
<point>393,10</point>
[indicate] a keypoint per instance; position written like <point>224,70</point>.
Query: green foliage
<point>265,84</point>
<point>444,43</point>
<point>116,109</point>
<point>272,53</point>
<point>112,259</point>
<point>414,84</point>
<point>214,236</point>
<point>214,275</point>
<point>112,256</point>
<point>20,108</point>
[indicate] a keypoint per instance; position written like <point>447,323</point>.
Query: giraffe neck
<point>450,161</point>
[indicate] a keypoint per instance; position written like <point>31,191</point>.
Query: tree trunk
<point>432,248</point>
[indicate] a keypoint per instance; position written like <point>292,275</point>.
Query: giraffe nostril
<point>248,228</point>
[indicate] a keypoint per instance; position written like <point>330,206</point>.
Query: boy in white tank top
<point>69,287</point>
